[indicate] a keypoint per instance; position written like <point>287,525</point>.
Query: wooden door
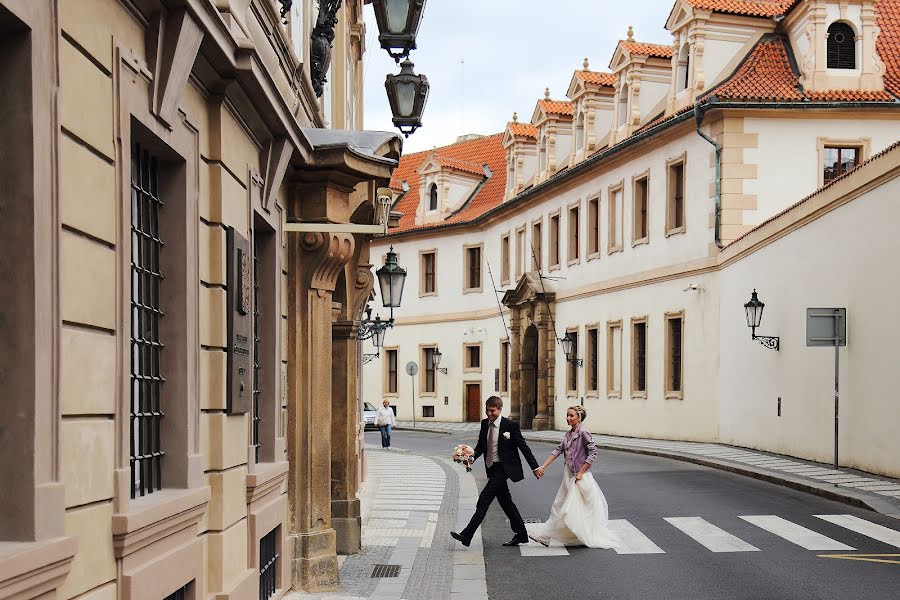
<point>473,402</point>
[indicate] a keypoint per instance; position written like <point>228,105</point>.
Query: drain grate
<point>386,571</point>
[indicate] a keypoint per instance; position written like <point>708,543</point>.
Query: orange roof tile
<point>557,107</point>
<point>596,78</point>
<point>462,165</point>
<point>523,129</point>
<point>487,150</point>
<point>642,49</point>
<point>750,8</point>
<point>887,17</point>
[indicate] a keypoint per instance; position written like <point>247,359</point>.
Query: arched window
<point>623,105</point>
<point>432,200</point>
<point>579,131</point>
<point>841,46</point>
<point>684,71</point>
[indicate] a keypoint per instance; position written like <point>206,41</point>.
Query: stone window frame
<point>857,45</point>
<point>505,276</point>
<point>671,228</point>
<point>467,366</point>
<point>423,292</point>
<point>635,181</point>
<point>863,145</point>
<point>611,358</point>
<point>615,218</point>
<point>433,197</point>
<point>635,321</point>
<point>425,367</point>
<point>571,368</point>
<point>185,494</point>
<point>668,392</point>
<point>591,355</point>
<point>520,251</point>
<point>553,240</point>
<point>505,355</point>
<point>467,268</point>
<point>682,71</point>
<point>593,226</point>
<point>537,258</point>
<point>385,375</point>
<point>573,242</point>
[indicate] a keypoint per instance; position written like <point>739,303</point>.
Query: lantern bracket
<point>769,341</point>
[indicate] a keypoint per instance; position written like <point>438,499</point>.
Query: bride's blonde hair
<point>579,410</point>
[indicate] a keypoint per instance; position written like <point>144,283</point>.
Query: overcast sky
<point>485,59</point>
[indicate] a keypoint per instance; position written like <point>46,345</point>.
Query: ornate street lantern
<point>398,24</point>
<point>754,311</point>
<point>391,278</point>
<point>568,346</point>
<point>407,93</point>
<point>436,358</point>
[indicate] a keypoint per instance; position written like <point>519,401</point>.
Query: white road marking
<point>631,540</point>
<point>534,549</point>
<point>796,534</point>
<point>867,528</point>
<point>707,534</point>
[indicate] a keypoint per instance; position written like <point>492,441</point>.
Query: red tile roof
<point>596,78</point>
<point>888,43</point>
<point>523,129</point>
<point>487,150</point>
<point>557,107</point>
<point>462,165</point>
<point>751,8</point>
<point>642,49</point>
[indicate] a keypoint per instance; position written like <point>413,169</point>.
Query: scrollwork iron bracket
<point>320,45</point>
<point>770,342</point>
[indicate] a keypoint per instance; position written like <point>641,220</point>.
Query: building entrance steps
<point>856,488</point>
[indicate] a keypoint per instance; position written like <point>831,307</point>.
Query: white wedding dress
<point>579,516</point>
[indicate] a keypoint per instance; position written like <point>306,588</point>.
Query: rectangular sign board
<point>239,298</point>
<point>823,325</point>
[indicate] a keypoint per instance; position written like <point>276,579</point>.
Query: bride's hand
<point>578,476</point>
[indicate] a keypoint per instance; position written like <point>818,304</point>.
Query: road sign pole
<point>412,380</point>
<point>837,350</point>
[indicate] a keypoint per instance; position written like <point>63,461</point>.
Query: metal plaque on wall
<point>239,282</point>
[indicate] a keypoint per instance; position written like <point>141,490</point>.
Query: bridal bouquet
<point>463,454</point>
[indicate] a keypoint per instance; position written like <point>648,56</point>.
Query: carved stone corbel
<point>277,159</point>
<point>331,251</point>
<point>173,45</point>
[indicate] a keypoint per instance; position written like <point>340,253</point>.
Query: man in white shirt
<point>500,442</point>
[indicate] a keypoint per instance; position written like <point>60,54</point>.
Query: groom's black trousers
<point>498,488</point>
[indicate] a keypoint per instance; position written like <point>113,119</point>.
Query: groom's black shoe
<point>461,539</point>
<point>517,539</point>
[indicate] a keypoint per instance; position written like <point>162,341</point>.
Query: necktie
<point>490,452</point>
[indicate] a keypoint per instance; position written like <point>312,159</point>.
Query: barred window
<point>674,349</point>
<point>268,565</point>
<point>146,346</point>
<point>254,433</point>
<point>639,358</point>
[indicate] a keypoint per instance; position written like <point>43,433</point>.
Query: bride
<point>580,515</point>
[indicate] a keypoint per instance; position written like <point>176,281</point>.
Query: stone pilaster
<point>515,378</point>
<point>315,262</point>
<point>542,419</point>
<point>345,510</point>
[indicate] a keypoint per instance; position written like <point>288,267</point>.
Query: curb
<point>423,430</point>
<point>823,490</point>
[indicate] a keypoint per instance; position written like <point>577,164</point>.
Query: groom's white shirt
<point>494,454</point>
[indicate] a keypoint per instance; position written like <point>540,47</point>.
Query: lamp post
<point>407,94</point>
<point>754,311</point>
<point>436,361</point>
<point>391,279</point>
<point>398,24</point>
<point>568,346</point>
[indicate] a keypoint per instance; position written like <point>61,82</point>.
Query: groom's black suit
<point>509,466</point>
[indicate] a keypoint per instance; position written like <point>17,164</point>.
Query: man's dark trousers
<point>496,487</point>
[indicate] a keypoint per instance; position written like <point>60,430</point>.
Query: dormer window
<point>579,131</point>
<point>542,156</point>
<point>433,197</point>
<point>623,105</point>
<point>841,46</point>
<point>684,72</point>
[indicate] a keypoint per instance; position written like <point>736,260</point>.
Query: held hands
<point>539,472</point>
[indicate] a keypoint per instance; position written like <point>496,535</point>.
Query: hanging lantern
<point>398,24</point>
<point>407,94</point>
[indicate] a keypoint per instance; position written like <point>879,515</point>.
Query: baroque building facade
<point>638,214</point>
<point>181,415</point>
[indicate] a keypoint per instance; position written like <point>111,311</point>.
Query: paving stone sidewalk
<point>409,505</point>
<point>881,494</point>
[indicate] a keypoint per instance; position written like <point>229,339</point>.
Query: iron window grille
<point>640,356</point>
<point>256,314</point>
<point>179,594</point>
<point>841,52</point>
<point>268,564</point>
<point>428,411</point>
<point>146,312</point>
<point>675,335</point>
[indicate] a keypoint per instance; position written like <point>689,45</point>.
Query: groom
<point>500,441</point>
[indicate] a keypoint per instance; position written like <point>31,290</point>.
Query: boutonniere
<point>506,434</point>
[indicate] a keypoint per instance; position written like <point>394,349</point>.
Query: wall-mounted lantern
<point>398,24</point>
<point>391,279</point>
<point>407,94</point>
<point>568,346</point>
<point>436,361</point>
<point>754,311</point>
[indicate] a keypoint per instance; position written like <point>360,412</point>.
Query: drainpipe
<point>698,119</point>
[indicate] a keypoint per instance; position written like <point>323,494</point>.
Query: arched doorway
<point>529,368</point>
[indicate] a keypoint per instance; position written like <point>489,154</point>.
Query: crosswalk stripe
<point>796,534</point>
<point>707,534</point>
<point>631,540</point>
<point>535,549</point>
<point>867,528</point>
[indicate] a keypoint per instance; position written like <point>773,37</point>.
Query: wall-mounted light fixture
<point>754,311</point>
<point>436,361</point>
<point>568,346</point>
